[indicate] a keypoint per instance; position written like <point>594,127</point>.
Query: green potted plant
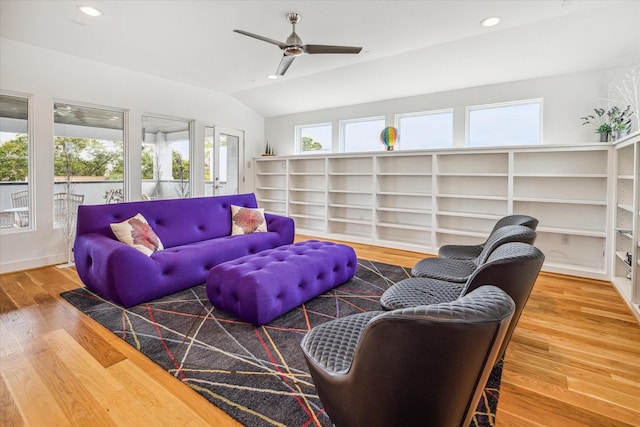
<point>600,121</point>
<point>613,122</point>
<point>620,121</point>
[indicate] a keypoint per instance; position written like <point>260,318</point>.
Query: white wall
<point>47,75</point>
<point>566,98</point>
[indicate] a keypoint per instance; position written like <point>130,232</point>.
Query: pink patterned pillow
<point>137,233</point>
<point>247,220</point>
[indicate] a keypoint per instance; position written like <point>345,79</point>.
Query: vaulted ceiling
<point>409,47</point>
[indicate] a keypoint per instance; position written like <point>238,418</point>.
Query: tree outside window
<point>15,162</point>
<point>313,138</point>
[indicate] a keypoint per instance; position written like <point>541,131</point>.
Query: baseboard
<point>28,264</point>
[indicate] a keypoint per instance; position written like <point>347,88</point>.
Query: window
<point>88,158</point>
<point>362,134</point>
<point>313,138</point>
<point>15,208</point>
<point>165,157</point>
<point>433,129</point>
<point>513,123</point>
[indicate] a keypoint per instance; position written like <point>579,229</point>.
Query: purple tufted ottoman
<point>258,288</point>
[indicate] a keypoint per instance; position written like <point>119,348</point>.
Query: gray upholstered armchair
<point>418,366</point>
<point>472,251</point>
<point>512,267</point>
<point>459,270</point>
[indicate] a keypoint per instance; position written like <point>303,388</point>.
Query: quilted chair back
<point>472,251</point>
<point>514,268</point>
<point>506,234</point>
<point>418,366</point>
<point>526,220</point>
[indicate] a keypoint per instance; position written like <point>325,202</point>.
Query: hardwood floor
<point>574,360</point>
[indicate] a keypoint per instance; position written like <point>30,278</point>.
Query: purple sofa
<point>195,232</point>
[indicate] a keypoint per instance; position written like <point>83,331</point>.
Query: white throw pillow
<point>137,232</point>
<point>247,220</point>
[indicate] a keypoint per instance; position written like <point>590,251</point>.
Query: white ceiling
<point>409,47</point>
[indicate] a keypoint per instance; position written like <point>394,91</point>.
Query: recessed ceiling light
<point>88,10</point>
<point>490,22</point>
<point>272,77</point>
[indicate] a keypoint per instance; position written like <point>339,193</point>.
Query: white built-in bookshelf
<point>625,235</point>
<point>421,200</point>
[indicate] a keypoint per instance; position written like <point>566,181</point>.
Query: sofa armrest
<point>112,268</point>
<point>282,225</point>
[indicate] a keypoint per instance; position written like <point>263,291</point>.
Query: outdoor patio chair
<point>65,208</point>
<point>20,199</point>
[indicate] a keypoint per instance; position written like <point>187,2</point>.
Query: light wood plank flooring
<point>574,360</point>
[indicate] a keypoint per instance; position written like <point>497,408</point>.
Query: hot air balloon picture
<point>388,137</point>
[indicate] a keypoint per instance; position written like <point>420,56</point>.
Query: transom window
<point>313,138</point>
<point>430,129</point>
<point>361,134</point>
<point>512,123</point>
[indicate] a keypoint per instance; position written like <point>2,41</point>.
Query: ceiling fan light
<point>490,22</point>
<point>293,50</point>
<point>89,10</point>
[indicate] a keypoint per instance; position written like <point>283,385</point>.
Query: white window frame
<point>31,159</point>
<point>298,138</point>
<point>471,108</point>
<point>191,127</point>
<point>400,116</point>
<point>343,123</point>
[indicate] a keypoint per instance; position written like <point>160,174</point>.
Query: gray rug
<point>257,375</point>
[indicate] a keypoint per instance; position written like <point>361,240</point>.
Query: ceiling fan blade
<point>320,48</point>
<point>264,39</point>
<point>285,63</point>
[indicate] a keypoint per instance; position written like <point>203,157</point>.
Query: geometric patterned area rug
<point>257,375</point>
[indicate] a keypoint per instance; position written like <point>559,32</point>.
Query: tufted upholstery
<point>195,233</point>
<point>459,270</point>
<point>258,288</point>
<point>513,267</point>
<point>472,251</point>
<point>417,366</point>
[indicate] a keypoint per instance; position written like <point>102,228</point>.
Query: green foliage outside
<point>179,167</point>
<point>87,157</point>
<point>308,144</point>
<point>14,164</point>
<point>147,161</point>
<point>82,157</point>
<point>208,147</point>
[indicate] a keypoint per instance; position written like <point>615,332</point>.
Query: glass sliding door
<point>15,195</point>
<point>166,156</point>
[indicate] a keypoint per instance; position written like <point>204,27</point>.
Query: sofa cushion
<point>136,232</point>
<point>247,220</point>
<point>176,221</point>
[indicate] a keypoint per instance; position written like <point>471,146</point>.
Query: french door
<point>224,153</point>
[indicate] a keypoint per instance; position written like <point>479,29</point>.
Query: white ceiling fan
<point>294,46</point>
